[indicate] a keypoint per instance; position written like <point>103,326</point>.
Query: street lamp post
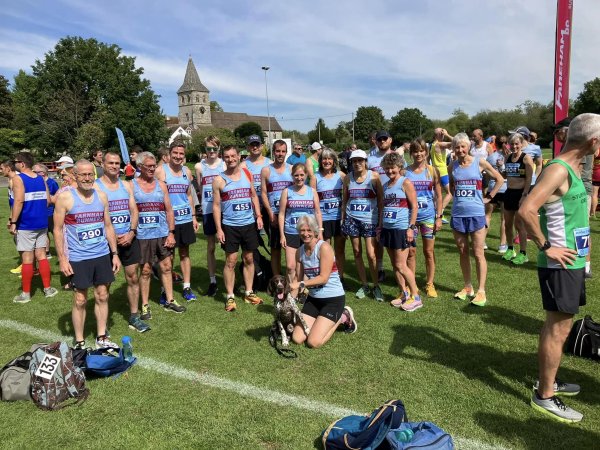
<point>265,68</point>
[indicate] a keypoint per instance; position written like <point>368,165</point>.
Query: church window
<point>197,99</point>
<point>187,117</point>
<point>182,99</point>
<point>188,98</point>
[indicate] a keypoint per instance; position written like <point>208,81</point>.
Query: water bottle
<point>127,348</point>
<point>404,435</point>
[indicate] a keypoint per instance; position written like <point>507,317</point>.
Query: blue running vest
<point>468,199</point>
<point>85,236</point>
<point>395,206</point>
<point>423,183</point>
<point>34,215</point>
<point>118,207</point>
<point>329,191</point>
<point>312,269</point>
<point>298,205</point>
<point>276,183</point>
<point>177,186</point>
<point>362,200</point>
<point>236,201</point>
<point>255,170</point>
<point>153,216</point>
<point>208,175</point>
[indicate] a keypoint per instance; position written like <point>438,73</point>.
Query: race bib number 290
<point>47,367</point>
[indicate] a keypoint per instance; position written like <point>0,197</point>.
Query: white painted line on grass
<point>237,387</point>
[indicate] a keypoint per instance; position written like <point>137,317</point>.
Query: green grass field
<point>208,379</point>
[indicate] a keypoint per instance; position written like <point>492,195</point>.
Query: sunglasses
<point>212,149</point>
<point>382,139</point>
<point>15,161</point>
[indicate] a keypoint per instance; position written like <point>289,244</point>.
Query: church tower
<point>194,103</point>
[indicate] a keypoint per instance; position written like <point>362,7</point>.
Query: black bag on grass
<point>584,339</point>
<point>365,432</point>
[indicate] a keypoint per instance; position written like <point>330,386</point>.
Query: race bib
<point>390,215</point>
<point>120,219</point>
<point>582,240</point>
<point>182,213</point>
<point>422,202</point>
<point>364,207</point>
<point>276,203</point>
<point>47,367</point>
<point>90,234</point>
<point>208,195</point>
<point>330,205</point>
<point>246,206</point>
<point>149,220</point>
<point>465,192</point>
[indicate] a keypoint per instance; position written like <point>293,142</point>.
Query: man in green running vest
<point>562,234</point>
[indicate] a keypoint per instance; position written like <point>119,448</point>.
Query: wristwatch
<point>545,247</point>
<point>302,285</point>
<point>412,226</point>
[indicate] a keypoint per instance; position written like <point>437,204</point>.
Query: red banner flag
<point>562,62</point>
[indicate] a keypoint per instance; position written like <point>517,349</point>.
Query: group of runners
<point>308,210</point>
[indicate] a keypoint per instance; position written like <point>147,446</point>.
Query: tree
<point>6,112</point>
<point>248,129</point>
<point>588,100</point>
<point>296,136</point>
<point>458,122</point>
<point>84,81</point>
<point>321,133</point>
<point>408,124</point>
<point>367,120</point>
<point>11,141</point>
<point>342,135</point>
<point>214,106</point>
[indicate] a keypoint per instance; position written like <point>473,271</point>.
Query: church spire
<point>191,82</point>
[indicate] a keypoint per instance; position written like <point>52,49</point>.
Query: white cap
<point>315,146</point>
<point>358,154</point>
<point>64,162</point>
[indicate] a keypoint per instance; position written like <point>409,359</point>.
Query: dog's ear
<point>271,286</point>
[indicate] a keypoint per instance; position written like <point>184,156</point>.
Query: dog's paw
<point>307,331</point>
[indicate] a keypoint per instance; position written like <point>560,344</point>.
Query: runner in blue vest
<point>468,213</point>
<point>236,211</point>
<point>155,232</point>
<point>87,250</point>
<point>362,214</point>
<point>325,307</point>
<point>329,184</point>
<point>178,179</point>
<point>29,223</point>
<point>206,171</point>
<point>124,217</point>
<point>8,170</point>
<point>426,180</point>
<point>399,228</point>
<point>296,201</point>
<point>275,178</point>
<point>255,163</point>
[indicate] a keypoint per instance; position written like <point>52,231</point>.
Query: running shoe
<point>189,295</point>
<point>22,298</point>
<point>562,388</point>
<point>502,248</point>
<point>230,305</point>
<point>162,301</point>
<point>135,323</point>
<point>350,326</point>
<point>445,221</point>
<point>588,274</point>
<point>520,259</point>
<point>479,299</point>
<point>362,292</point>
<point>48,255</point>
<point>175,307</point>
<point>377,294</point>
<point>105,342</point>
<point>176,277</point>
<point>78,345</point>
<point>253,299</point>
<point>50,292</point>
<point>555,408</point>
<point>212,290</point>
<point>381,276</point>
<point>464,294</point>
<point>397,303</point>
<point>412,304</point>
<point>146,314</point>
<point>509,254</point>
<point>17,270</point>
<point>430,290</point>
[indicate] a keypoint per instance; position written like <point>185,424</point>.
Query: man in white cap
<point>64,162</point>
<point>312,162</point>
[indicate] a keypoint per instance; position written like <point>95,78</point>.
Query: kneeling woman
<point>324,309</point>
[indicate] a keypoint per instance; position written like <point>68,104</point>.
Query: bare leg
<point>78,312</point>
<point>340,253</point>
<point>360,265</point>
<point>290,263</point>
<point>166,278</point>
<point>428,253</point>
<point>370,244</point>
<point>211,259</point>
<point>552,338</point>
<point>478,238</point>
<point>144,281</point>
<point>248,271</point>
<point>133,287</point>
<point>462,243</point>
<point>321,331</point>
<point>101,308</point>
<point>298,335</point>
<point>229,272</point>
<point>185,263</point>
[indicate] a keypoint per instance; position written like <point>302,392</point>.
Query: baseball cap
<point>254,138</point>
<point>563,123</point>
<point>382,134</point>
<point>522,130</point>
<point>358,154</point>
<point>315,146</point>
<point>64,162</point>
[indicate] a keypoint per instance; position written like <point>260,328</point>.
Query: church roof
<point>231,120</point>
<point>191,82</point>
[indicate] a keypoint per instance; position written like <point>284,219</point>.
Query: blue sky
<point>327,58</point>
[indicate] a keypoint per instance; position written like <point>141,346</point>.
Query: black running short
<point>330,308</point>
<point>563,290</point>
<point>184,234</point>
<point>131,254</point>
<point>245,236</point>
<point>92,272</point>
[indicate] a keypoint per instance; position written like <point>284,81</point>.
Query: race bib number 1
<point>47,367</point>
<point>582,240</point>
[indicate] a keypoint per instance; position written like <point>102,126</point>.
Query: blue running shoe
<point>189,295</point>
<point>162,301</point>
